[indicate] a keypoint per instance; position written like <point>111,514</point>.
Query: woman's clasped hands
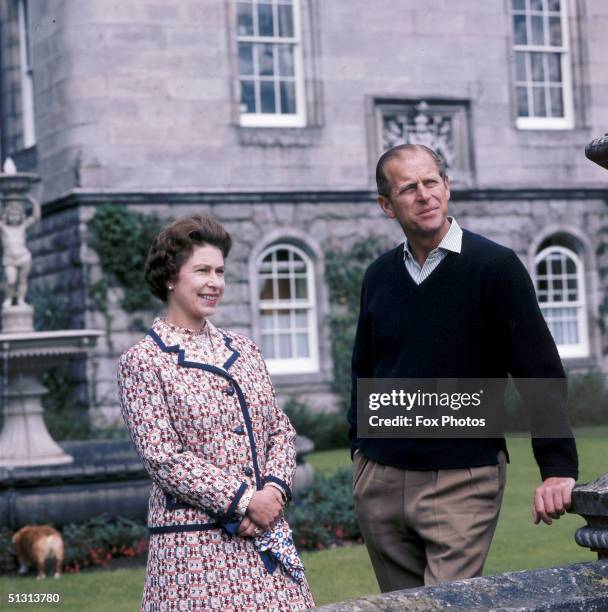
<point>265,507</point>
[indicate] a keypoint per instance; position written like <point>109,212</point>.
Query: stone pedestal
<point>591,502</point>
<point>25,440</point>
<point>18,318</point>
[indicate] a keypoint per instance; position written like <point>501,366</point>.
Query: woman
<point>202,412</point>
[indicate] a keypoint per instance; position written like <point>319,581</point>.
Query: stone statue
<point>16,257</point>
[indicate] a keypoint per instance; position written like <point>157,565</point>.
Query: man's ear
<point>446,182</point>
<point>386,207</point>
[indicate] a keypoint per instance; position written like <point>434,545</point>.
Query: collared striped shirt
<point>452,241</point>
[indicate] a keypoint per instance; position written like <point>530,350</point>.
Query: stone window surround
<point>297,119</point>
<point>567,349</point>
<point>586,255</point>
<point>548,123</point>
<point>300,239</point>
<point>292,364</point>
<point>266,136</point>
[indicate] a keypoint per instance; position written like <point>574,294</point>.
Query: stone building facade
<point>270,115</point>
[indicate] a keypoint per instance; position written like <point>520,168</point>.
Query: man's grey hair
<point>382,182</point>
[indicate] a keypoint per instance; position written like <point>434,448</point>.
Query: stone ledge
<point>583,586</point>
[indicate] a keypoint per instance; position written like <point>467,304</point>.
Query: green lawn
<point>344,573</point>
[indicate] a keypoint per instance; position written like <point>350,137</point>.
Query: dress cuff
<point>279,488</point>
<point>241,507</point>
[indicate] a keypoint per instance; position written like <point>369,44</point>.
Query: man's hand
<point>265,507</point>
<point>552,499</point>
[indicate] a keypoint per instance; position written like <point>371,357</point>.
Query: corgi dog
<point>35,544</point>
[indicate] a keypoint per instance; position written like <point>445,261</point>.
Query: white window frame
<point>547,123</point>
<point>295,365</point>
<point>278,120</point>
<point>581,349</point>
<point>27,77</point>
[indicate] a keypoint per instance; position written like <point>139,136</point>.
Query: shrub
<point>344,274</point>
<point>325,515</point>
<point>122,239</point>
<point>326,430</point>
<point>101,539</point>
<point>88,544</point>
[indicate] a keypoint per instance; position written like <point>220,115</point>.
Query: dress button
<point>248,471</point>
<point>230,390</point>
<point>239,430</point>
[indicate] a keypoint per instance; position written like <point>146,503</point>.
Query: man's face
<point>419,196</point>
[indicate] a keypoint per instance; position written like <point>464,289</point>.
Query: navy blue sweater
<point>475,316</point>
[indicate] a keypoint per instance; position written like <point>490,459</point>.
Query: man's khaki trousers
<point>426,527</point>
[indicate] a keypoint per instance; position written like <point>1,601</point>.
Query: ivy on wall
<point>344,274</point>
<point>122,239</point>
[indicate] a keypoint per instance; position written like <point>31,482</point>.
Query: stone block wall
<point>320,225</point>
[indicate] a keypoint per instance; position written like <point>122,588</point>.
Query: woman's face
<point>198,288</point>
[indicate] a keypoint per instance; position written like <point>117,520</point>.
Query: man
<point>445,304</point>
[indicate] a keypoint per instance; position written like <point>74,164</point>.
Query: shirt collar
<point>452,241</point>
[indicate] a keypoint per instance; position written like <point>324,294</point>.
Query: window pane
<point>538,37</point>
<point>557,102</point>
<point>265,26</point>
<point>540,109</point>
<point>284,288</point>
<point>284,320</point>
<point>538,68</point>
<point>570,266</point>
<point>285,60</point>
<point>244,18</point>
<point>519,29</point>
<point>245,58</point>
<point>519,5</point>
<point>301,289</point>
<point>266,292</point>
<point>288,97</point>
<point>268,346</point>
<point>301,319</point>
<point>522,102</point>
<point>542,267</point>
<point>285,20</point>
<point>266,59</point>
<point>555,67</point>
<point>555,31</point>
<point>302,345</point>
<point>285,346</point>
<point>536,5</point>
<point>554,5</point>
<point>520,66</point>
<point>266,320</point>
<point>247,97</point>
<point>282,255</point>
<point>556,265</point>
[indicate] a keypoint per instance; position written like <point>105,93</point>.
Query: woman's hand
<point>265,507</point>
<point>247,528</point>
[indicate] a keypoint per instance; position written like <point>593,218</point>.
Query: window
<point>560,289</point>
<point>542,64</point>
<point>27,84</point>
<point>271,87</point>
<point>288,322</point>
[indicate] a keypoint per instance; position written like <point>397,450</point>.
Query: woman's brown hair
<point>174,244</point>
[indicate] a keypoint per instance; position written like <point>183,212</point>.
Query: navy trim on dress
<point>181,360</point>
<point>281,483</point>
<point>183,528</point>
<point>235,353</point>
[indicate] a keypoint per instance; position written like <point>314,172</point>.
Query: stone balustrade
<point>582,586</point>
